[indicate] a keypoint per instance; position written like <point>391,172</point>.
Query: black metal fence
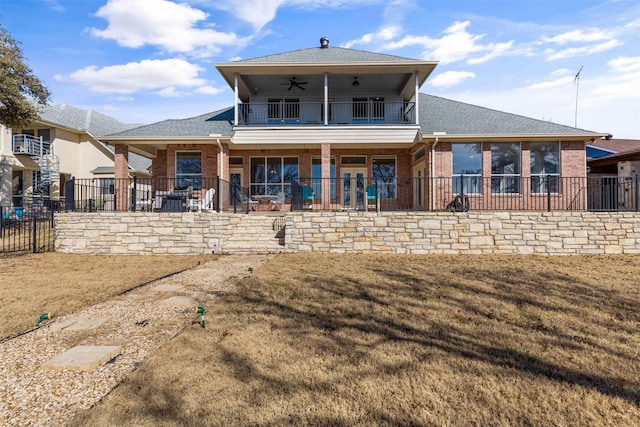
<point>26,229</point>
<point>358,192</point>
<point>155,194</point>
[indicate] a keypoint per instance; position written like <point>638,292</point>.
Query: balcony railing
<point>461,193</point>
<point>286,113</point>
<point>31,145</point>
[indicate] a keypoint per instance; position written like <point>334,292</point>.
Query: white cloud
<point>259,13</point>
<point>581,51</point>
<point>561,72</point>
<point>625,64</point>
<point>169,92</point>
<point>592,35</point>
<point>136,76</point>
<point>450,78</point>
<point>209,90</point>
<point>163,23</point>
<point>385,34</point>
<point>456,44</point>
<point>550,84</point>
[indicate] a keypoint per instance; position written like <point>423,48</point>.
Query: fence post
<point>34,234</point>
<point>1,221</point>
<point>217,208</point>
<point>548,193</point>
<point>377,198</point>
<point>69,195</point>
<point>134,194</point>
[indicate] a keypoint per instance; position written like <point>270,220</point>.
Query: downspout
<point>433,174</point>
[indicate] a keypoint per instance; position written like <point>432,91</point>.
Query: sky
<point>572,62</point>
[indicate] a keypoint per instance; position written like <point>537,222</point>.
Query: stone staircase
<point>254,234</point>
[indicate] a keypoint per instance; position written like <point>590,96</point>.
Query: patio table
<point>264,200</point>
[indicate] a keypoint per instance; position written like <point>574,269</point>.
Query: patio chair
<point>307,197</point>
<point>249,202</point>
<point>205,204</point>
<point>371,197</point>
<point>278,202</point>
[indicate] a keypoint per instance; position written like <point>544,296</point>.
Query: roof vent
<point>324,42</point>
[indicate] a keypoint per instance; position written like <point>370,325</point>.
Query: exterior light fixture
<point>355,82</point>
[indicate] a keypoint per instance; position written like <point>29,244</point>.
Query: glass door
<point>353,183</point>
<point>235,179</point>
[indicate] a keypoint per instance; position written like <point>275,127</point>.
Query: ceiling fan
<point>293,82</point>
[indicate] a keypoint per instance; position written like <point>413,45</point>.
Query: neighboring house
<point>340,120</point>
<point>614,171</point>
<point>36,161</point>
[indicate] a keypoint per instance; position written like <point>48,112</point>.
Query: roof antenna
<point>576,82</point>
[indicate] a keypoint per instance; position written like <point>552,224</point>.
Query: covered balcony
<point>372,111</point>
<point>30,145</point>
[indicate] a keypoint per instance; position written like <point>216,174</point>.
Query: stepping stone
<point>84,357</point>
<point>180,301</point>
<point>168,288</point>
<point>79,324</point>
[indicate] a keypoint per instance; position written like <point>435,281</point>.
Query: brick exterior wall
<point>554,233</point>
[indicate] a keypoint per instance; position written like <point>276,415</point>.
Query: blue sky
<point>150,60</point>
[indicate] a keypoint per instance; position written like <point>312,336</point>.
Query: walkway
<point>36,391</point>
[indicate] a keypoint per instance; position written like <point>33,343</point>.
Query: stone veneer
<point>543,233</point>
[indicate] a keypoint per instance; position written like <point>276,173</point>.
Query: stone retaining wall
<point>544,233</point>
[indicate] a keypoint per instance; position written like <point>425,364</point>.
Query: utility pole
<point>576,83</point>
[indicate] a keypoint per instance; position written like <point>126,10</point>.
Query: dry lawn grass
<point>60,284</point>
<point>316,339</point>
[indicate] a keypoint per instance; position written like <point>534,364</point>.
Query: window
<point>235,161</point>
<point>545,164</point>
<point>189,170</point>
<point>467,168</point>
<point>317,179</point>
<point>383,175</point>
<point>45,134</point>
<point>419,154</point>
<point>505,167</point>
<point>353,160</point>
<point>270,175</point>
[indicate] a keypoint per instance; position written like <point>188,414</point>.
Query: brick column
<point>325,153</point>
<point>121,174</point>
<point>223,172</point>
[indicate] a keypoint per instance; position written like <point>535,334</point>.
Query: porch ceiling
<point>396,136</point>
<point>266,78</point>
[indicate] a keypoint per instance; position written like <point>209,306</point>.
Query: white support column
<point>417,97</point>
<point>235,99</point>
<point>326,99</point>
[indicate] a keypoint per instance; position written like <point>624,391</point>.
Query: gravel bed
<point>31,395</point>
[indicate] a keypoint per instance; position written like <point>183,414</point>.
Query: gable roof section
<point>91,121</point>
<point>317,55</point>
<point>461,119</point>
<point>216,123</point>
<point>436,115</point>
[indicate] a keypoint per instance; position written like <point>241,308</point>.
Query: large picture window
<point>383,175</point>
<point>505,167</point>
<point>189,170</point>
<point>270,175</point>
<point>467,168</point>
<point>545,167</point>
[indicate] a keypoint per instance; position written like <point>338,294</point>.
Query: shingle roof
<point>436,115</point>
<point>330,54</point>
<point>217,122</point>
<point>97,124</point>
<point>458,118</point>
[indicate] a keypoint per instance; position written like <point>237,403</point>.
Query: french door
<point>353,185</point>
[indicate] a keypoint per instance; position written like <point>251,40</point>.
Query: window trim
<point>394,181</point>
<point>472,176</point>
<point>555,176</point>
<point>502,177</point>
